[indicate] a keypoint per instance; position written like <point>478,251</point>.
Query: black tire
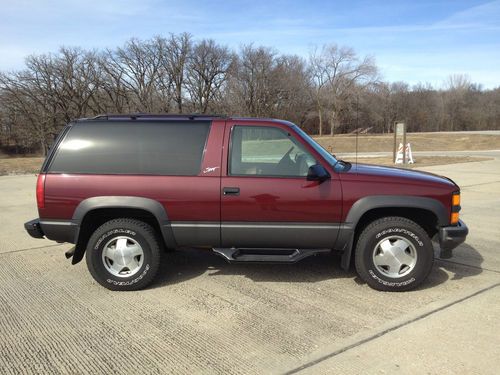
<point>137,232</point>
<point>392,229</point>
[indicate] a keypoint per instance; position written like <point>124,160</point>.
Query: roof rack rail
<point>135,116</point>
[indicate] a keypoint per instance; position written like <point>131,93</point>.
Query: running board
<point>259,255</point>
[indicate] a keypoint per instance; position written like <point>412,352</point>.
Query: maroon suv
<point>123,188</point>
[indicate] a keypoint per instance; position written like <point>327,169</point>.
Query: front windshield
<point>319,149</point>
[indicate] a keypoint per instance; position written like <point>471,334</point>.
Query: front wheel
<point>394,254</point>
<point>123,254</point>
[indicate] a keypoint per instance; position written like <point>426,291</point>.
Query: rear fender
<point>152,206</point>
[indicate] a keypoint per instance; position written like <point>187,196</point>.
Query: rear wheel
<point>394,254</point>
<point>123,254</point>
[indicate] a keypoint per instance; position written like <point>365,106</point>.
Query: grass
<point>421,161</point>
<point>419,142</point>
<point>24,165</point>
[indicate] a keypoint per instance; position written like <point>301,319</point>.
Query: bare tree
<point>176,52</point>
<point>337,71</point>
<point>138,64</point>
<point>319,73</point>
<point>458,86</point>
<point>292,84</point>
<point>253,81</point>
<point>207,72</point>
<point>335,87</point>
<point>28,106</point>
<point>114,96</point>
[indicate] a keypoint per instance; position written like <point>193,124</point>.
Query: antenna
<point>357,128</point>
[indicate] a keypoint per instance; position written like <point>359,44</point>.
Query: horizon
<point>422,43</point>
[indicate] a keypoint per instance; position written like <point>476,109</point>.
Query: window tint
<point>105,147</point>
<point>267,151</point>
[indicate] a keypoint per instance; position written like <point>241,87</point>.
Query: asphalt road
<point>205,316</point>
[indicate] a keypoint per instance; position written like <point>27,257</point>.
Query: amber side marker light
<point>455,208</point>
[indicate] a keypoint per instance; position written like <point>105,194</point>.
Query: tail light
<point>40,191</point>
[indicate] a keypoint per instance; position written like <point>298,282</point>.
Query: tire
<point>394,254</point>
<point>123,254</point>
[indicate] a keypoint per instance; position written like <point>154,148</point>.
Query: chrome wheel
<point>122,256</point>
<point>395,257</point>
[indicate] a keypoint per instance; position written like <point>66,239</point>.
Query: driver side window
<point>267,151</point>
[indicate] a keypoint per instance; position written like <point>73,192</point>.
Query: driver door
<point>267,201</point>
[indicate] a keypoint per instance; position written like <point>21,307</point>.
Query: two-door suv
<point>125,188</point>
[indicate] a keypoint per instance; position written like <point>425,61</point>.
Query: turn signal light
<point>455,207</point>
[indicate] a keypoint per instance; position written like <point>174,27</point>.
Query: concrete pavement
<point>445,340</point>
<point>453,336</point>
<point>205,316</point>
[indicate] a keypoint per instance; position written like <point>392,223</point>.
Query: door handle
<point>231,191</point>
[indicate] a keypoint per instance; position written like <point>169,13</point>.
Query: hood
<point>403,175</point>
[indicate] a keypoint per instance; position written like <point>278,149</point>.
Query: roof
<point>168,116</point>
<point>151,116</point>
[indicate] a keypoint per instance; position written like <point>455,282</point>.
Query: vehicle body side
<point>285,211</point>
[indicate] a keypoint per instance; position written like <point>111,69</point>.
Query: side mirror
<point>316,172</point>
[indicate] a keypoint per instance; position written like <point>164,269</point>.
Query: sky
<point>415,41</point>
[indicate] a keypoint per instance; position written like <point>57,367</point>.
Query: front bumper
<point>34,229</point>
<point>450,237</point>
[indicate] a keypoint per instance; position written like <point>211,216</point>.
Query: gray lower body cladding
<point>214,234</point>
<point>60,231</point>
<point>256,235</point>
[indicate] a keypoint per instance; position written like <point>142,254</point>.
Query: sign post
<point>399,135</point>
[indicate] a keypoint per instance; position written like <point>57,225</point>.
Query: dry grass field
<point>421,161</point>
<point>419,142</point>
<point>23,165</point>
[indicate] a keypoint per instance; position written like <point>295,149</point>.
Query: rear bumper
<point>60,230</point>
<point>452,236</point>
<point>33,228</point>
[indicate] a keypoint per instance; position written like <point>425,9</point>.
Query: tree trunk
<point>332,124</point>
<point>178,99</point>
<point>320,115</point>
<point>43,146</point>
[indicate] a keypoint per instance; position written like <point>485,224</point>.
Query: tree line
<point>333,91</point>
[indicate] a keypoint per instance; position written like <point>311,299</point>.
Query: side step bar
<point>235,255</point>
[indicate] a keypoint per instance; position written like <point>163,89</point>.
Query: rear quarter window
<point>132,147</point>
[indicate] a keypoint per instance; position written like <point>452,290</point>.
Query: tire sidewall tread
<point>139,231</point>
<point>375,232</point>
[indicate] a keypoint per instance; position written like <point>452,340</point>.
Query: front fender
<point>359,208</point>
<point>366,204</point>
